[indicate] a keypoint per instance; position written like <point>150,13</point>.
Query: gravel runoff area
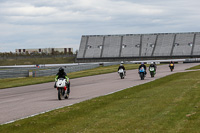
<point>21,102</point>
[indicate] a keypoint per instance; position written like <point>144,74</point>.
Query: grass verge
<point>169,104</point>
<point>33,61</point>
<point>15,82</point>
<point>193,68</point>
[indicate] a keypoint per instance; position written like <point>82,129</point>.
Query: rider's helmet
<point>61,70</point>
<point>142,63</point>
<point>152,63</point>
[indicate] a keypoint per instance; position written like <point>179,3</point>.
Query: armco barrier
<point>39,72</point>
<point>111,63</point>
<point>13,73</point>
<point>67,69</point>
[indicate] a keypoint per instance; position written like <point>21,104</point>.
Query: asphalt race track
<point>21,102</point>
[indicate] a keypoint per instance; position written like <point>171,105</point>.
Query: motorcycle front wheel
<point>121,75</point>
<point>142,76</point>
<point>152,74</point>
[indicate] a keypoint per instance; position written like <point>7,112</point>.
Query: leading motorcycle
<point>61,87</point>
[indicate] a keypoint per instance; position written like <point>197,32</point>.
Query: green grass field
<point>15,82</point>
<point>167,105</point>
<point>33,61</point>
<point>195,67</point>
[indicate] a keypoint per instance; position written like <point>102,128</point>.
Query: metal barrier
<point>13,73</point>
<point>72,68</point>
<point>49,70</point>
<point>110,63</point>
<point>68,69</point>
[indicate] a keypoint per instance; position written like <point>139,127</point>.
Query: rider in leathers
<point>152,65</point>
<point>172,65</point>
<point>122,67</point>
<point>143,65</point>
<point>62,74</point>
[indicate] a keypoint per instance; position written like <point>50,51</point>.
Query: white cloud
<point>77,10</point>
<point>30,11</point>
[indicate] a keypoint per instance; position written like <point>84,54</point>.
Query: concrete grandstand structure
<point>138,46</point>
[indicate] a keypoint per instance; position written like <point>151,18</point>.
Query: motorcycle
<point>152,71</point>
<point>121,73</point>
<point>61,87</point>
<point>171,66</point>
<point>142,73</point>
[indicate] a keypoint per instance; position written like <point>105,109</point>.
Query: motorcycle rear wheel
<point>59,94</point>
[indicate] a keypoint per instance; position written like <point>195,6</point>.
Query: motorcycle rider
<point>62,74</point>
<point>121,66</point>
<point>171,64</point>
<point>142,65</point>
<point>153,65</point>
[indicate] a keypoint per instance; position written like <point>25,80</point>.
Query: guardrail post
<point>33,74</point>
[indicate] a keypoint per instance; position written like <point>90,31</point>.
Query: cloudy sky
<point>61,23</point>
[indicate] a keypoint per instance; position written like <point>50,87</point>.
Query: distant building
<point>44,50</point>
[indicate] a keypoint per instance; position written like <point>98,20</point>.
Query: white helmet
<point>151,62</point>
